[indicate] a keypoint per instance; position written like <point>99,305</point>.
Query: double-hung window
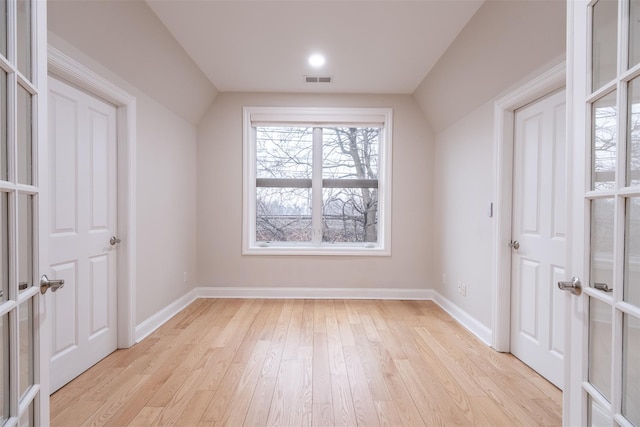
<point>317,181</point>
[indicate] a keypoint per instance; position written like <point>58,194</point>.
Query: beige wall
<point>463,230</point>
<point>220,262</point>
<point>166,195</point>
<point>502,47</point>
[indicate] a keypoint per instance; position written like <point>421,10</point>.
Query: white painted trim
<point>66,68</point>
<point>147,327</point>
<point>154,322</point>
<point>465,319</point>
<point>315,293</point>
<point>504,109</point>
<point>320,115</point>
<point>41,322</point>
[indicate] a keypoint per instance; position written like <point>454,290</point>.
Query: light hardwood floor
<point>309,362</point>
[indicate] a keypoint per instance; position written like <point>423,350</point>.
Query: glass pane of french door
<point>4,368</point>
<point>631,368</point>
<point>3,28</point>
<point>19,296</point>
<point>613,192</point>
<point>633,133</point>
<point>634,33</point>
<point>603,42</point>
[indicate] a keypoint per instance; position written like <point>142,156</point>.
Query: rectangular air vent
<point>317,79</point>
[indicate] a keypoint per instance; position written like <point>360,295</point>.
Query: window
<point>317,181</point>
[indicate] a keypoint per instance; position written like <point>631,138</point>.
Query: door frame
<point>504,115</point>
<point>64,67</point>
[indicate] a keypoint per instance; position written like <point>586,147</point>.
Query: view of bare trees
<point>349,180</point>
<point>605,136</point>
<point>633,151</point>
<point>605,127</point>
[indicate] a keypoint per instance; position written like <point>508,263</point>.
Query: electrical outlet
<point>444,279</point>
<point>184,277</point>
<point>462,289</point>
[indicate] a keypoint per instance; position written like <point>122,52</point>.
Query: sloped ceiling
<point>382,46</point>
<point>127,38</point>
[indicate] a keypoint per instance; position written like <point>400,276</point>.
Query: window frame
<point>321,117</point>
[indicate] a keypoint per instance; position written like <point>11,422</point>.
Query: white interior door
<point>23,378</point>
<point>539,233</point>
<point>604,360</point>
<point>83,245</point>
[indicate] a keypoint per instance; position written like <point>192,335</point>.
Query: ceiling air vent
<point>317,79</point>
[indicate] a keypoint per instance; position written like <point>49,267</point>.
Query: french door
<point>603,364</point>
<point>23,381</point>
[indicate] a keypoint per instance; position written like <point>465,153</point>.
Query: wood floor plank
<point>263,395</point>
<point>180,399</point>
<point>192,414</point>
<point>308,362</point>
<point>454,365</point>
<point>241,399</point>
<point>402,397</point>
<point>344,414</point>
<point>346,335</point>
<point>294,331</point>
<point>370,365</point>
<point>388,414</point>
<point>429,412</point>
<point>321,370</point>
<point>146,417</point>
<point>116,401</point>
<point>221,399</point>
<point>322,415</point>
<point>363,401</point>
<point>262,328</point>
<point>76,414</point>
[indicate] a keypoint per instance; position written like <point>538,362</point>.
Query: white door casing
<point>83,218</point>
<point>539,228</point>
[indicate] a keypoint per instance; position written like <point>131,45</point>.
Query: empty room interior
<point>322,213</point>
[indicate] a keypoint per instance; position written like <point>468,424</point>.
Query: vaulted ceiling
<point>183,52</point>
<point>381,46</point>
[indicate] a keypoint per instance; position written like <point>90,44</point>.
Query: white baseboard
<point>465,319</point>
<point>147,327</point>
<point>314,293</point>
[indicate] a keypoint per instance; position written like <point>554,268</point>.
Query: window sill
<point>323,250</point>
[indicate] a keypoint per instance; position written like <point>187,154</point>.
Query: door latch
<point>45,284</point>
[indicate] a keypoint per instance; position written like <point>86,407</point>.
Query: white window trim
<point>320,116</point>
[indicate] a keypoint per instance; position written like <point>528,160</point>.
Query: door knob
<point>114,240</point>
<point>574,286</point>
<point>514,244</point>
<point>45,284</point>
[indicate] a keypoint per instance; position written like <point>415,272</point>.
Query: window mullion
<point>316,187</point>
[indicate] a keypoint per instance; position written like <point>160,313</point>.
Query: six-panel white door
<point>539,228</point>
<point>83,182</point>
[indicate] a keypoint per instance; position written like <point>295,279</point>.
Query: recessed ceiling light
<point>316,60</point>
